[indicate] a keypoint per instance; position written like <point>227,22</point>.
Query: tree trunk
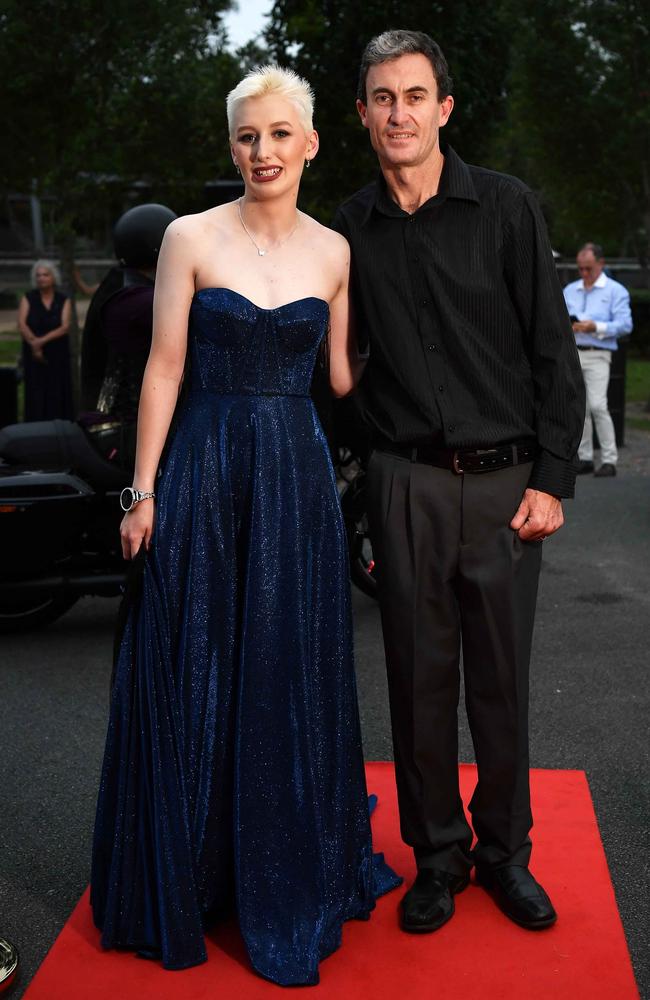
<point>66,241</point>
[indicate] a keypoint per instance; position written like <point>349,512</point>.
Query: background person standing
<point>117,331</point>
<point>44,321</point>
<point>600,310</point>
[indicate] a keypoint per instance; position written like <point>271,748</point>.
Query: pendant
<point>261,252</point>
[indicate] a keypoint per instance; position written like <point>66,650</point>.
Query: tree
<point>578,120</point>
<point>99,97</point>
<point>323,41</point>
<point>99,91</point>
<point>555,93</point>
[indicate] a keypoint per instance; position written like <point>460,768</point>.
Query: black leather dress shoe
<point>607,469</point>
<point>429,903</point>
<point>521,898</point>
<point>584,466</point>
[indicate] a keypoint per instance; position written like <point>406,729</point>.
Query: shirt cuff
<point>553,475</point>
<point>601,330</point>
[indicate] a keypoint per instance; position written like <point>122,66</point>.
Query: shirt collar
<point>455,182</point>
<point>600,282</point>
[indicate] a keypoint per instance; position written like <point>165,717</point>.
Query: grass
<point>639,423</point>
<point>637,393</point>
<point>637,381</point>
<point>9,347</point>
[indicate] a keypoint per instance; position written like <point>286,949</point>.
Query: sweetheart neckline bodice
<point>293,302</point>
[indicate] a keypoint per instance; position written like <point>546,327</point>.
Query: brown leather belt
<point>463,460</point>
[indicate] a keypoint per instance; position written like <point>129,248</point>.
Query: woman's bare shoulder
<point>331,243</point>
<point>201,223</point>
<point>187,236</point>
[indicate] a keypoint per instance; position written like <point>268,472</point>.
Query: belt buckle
<point>455,464</point>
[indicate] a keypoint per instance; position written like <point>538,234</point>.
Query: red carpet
<point>479,954</point>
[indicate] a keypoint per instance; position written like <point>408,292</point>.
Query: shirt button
<point>452,427</point>
<point>425,302</point>
<point>432,347</point>
<point>415,260</point>
<point>441,388</point>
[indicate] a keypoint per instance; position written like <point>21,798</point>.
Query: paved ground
<point>589,711</point>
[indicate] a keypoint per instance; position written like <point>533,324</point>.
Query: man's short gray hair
<point>393,44</point>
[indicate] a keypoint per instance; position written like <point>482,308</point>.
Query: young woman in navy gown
<point>233,778</point>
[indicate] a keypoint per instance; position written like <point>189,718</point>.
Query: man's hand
<point>538,516</point>
<point>584,326</point>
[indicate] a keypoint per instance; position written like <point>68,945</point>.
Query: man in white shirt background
<point>600,310</point>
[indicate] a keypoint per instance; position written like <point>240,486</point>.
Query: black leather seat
<point>49,445</point>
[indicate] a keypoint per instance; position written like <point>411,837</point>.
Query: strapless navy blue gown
<point>233,776</point>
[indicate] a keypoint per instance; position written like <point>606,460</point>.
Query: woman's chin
<point>276,188</point>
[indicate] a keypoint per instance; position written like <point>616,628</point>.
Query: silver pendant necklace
<point>261,252</point>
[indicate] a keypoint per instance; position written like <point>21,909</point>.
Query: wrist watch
<point>129,497</point>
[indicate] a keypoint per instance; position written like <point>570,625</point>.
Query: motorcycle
<point>59,518</point>
<point>351,474</point>
<point>351,445</point>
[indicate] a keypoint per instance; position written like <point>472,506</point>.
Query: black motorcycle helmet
<point>138,234</point>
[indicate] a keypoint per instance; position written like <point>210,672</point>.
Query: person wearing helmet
<point>117,332</point>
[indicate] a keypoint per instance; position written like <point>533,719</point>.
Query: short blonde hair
<point>47,265</point>
<point>276,80</point>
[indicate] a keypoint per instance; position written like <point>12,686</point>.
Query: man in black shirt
<point>474,395</point>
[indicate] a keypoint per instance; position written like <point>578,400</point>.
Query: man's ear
<point>446,108</point>
<point>361,108</point>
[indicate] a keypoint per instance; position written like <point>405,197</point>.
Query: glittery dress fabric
<point>233,775</point>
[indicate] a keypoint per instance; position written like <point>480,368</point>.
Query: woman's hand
<point>136,528</point>
<point>37,351</point>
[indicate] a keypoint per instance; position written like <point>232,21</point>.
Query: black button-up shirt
<point>470,341</point>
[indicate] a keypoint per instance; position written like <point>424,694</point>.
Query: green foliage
<point>99,96</point>
<point>578,123</point>
<point>324,41</point>
<point>556,93</point>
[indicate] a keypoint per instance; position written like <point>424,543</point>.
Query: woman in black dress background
<point>44,321</point>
